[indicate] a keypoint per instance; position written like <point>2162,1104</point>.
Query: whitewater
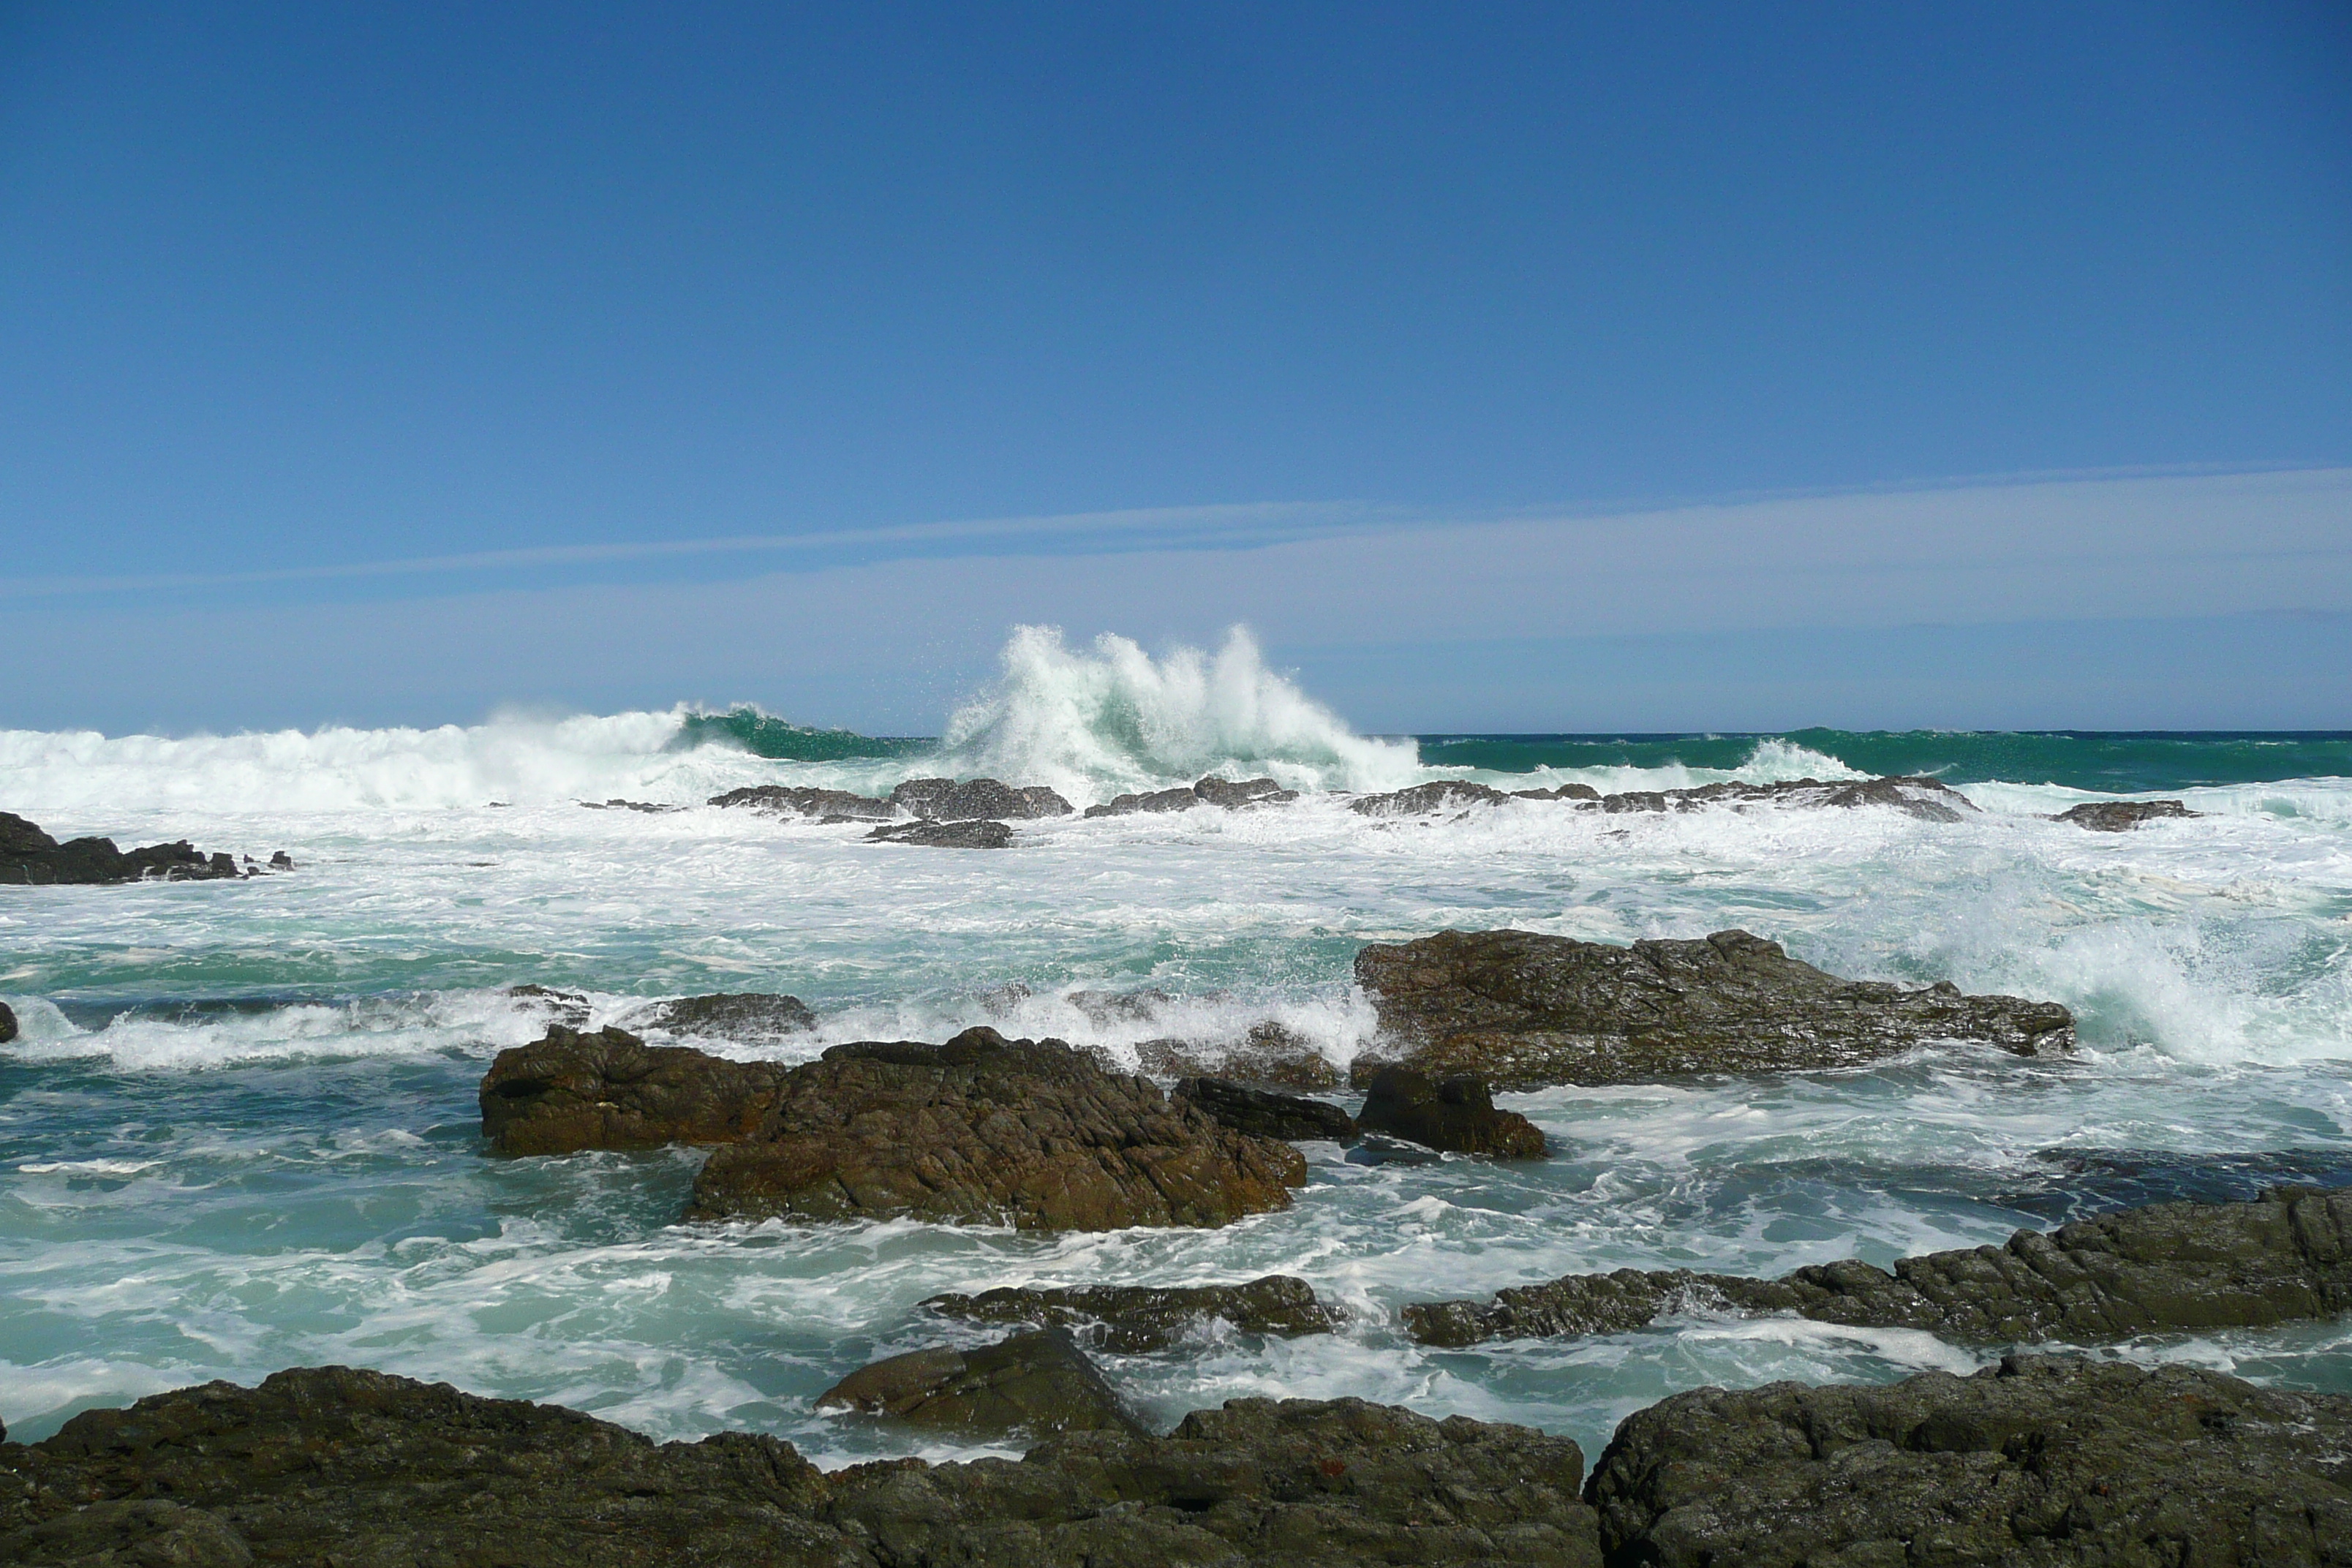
<point>239,1131</point>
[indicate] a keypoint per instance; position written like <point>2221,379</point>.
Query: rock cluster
<point>1455,1113</point>
<point>972,800</point>
<point>2038,1461</point>
<point>370,1470</point>
<point>571,1090</point>
<point>2286,1256</point>
<point>1035,1383</point>
<point>1521,1010</point>
<point>1210,791</point>
<point>1132,1319</point>
<point>984,1130</point>
<point>2122,815</point>
<point>29,856</point>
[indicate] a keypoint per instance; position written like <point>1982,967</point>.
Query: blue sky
<point>811,347</point>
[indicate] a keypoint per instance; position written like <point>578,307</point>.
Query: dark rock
<point>1925,798</point>
<point>1036,1382</point>
<point>1443,795</point>
<point>945,800</point>
<point>560,1007</point>
<point>1523,1011</point>
<point>1562,792</point>
<point>7,1032</point>
<point>609,1089</point>
<point>1210,791</point>
<point>1268,1114</point>
<point>806,802</point>
<point>370,1471</point>
<point>984,1130</point>
<point>1456,1114</point>
<point>2122,815</point>
<point>2180,1266</point>
<point>617,804</point>
<point>281,861</point>
<point>29,856</point>
<point>975,833</point>
<point>735,1015</point>
<point>1133,1319</point>
<point>2040,1460</point>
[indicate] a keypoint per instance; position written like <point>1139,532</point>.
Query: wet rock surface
<point>1210,791</point>
<point>1455,1114</point>
<point>1266,1114</point>
<point>805,802</point>
<point>30,856</point>
<point>366,1470</point>
<point>573,1090</point>
<point>1268,1057</point>
<point>1035,1383</point>
<point>2041,1460</point>
<point>1446,794</point>
<point>1522,1010</point>
<point>7,1032</point>
<point>975,833</point>
<point>2177,1265</point>
<point>558,1007</point>
<point>1133,1319</point>
<point>945,800</point>
<point>984,1130</point>
<point>1925,798</point>
<point>2122,815</point>
<point>735,1015</point>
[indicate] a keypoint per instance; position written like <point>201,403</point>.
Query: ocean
<point>239,1129</point>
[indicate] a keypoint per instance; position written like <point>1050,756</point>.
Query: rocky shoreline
<point>29,856</point>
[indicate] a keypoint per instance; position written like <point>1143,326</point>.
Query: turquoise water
<point>240,1131</point>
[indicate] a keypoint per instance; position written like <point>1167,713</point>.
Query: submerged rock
<point>1455,1114</point>
<point>735,1015</point>
<point>945,800</point>
<point>975,833</point>
<point>2178,1266</point>
<point>609,1089</point>
<point>806,802</point>
<point>561,1007</point>
<point>1210,791</point>
<point>31,857</point>
<point>2040,1460</point>
<point>7,1032</point>
<point>361,1468</point>
<point>1270,1055</point>
<point>1131,1318</point>
<point>1522,1010</point>
<point>1265,1114</point>
<point>984,1130</point>
<point>1037,1383</point>
<point>2122,815</point>
<point>1443,795</point>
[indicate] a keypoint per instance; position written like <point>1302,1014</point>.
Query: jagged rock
<point>1267,1114</point>
<point>2122,815</point>
<point>970,833</point>
<point>1560,792</point>
<point>984,1130</point>
<point>1269,1057</point>
<point>1455,1114</point>
<point>2286,1256</point>
<point>2040,1460</point>
<point>1037,1383</point>
<point>1133,1319</point>
<point>945,800</point>
<point>1210,791</point>
<point>1443,795</point>
<point>281,861</point>
<point>1522,1010</point>
<point>370,1471</point>
<point>609,1089</point>
<point>735,1015</point>
<point>806,801</point>
<point>31,857</point>
<point>7,1032</point>
<point>560,1007</point>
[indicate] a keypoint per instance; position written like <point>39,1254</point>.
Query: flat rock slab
<point>1134,1319</point>
<point>1266,1113</point>
<point>2122,815</point>
<point>573,1090</point>
<point>970,833</point>
<point>371,1471</point>
<point>2039,1461</point>
<point>984,1130</point>
<point>29,856</point>
<point>1523,1011</point>
<point>2177,1265</point>
<point>1035,1383</point>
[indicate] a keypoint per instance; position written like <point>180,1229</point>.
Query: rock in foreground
<point>2286,1256</point>
<point>371,1472</point>
<point>573,1090</point>
<point>984,1130</point>
<point>29,856</point>
<point>1523,1011</point>
<point>1037,1383</point>
<point>1130,1319</point>
<point>2039,1461</point>
<point>2122,815</point>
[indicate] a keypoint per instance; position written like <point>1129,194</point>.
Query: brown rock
<point>1455,1114</point>
<point>609,1089</point>
<point>1037,1383</point>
